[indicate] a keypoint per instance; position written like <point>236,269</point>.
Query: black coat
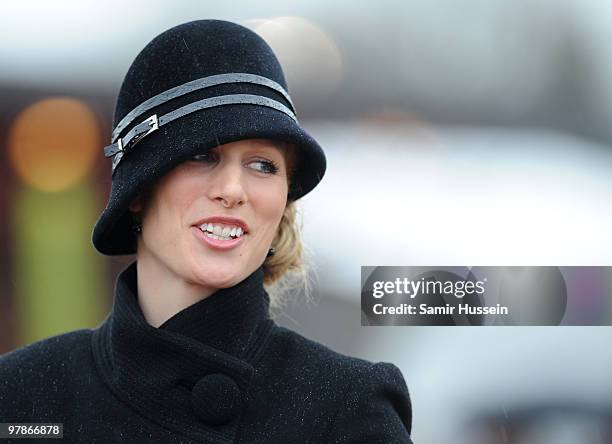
<point>219,371</point>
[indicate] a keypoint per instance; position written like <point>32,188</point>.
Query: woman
<point>207,161</point>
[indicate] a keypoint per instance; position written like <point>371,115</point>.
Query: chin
<point>213,274</point>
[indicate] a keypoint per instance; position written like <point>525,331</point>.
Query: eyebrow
<point>275,146</point>
<point>280,145</point>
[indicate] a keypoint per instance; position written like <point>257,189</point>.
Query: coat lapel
<point>193,373</point>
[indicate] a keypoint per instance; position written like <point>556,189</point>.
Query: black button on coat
<point>219,371</point>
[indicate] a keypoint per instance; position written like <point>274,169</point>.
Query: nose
<point>227,186</point>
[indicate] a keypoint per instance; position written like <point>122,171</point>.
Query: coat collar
<point>193,373</point>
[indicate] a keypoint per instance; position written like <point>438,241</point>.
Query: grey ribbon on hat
<point>153,123</point>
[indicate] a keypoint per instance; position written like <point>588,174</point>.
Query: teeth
<point>223,232</point>
<point>214,236</point>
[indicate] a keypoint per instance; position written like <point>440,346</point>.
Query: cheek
<point>269,204</point>
<point>168,213</point>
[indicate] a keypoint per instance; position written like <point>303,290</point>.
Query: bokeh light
<point>53,143</point>
<point>310,58</point>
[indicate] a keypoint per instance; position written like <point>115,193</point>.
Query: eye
<point>265,166</point>
<point>260,165</point>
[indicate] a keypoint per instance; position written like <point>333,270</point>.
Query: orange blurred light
<point>53,143</point>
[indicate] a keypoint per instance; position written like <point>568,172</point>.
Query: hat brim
<point>163,150</point>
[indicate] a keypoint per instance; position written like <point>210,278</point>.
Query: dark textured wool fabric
<point>219,371</point>
<point>179,55</point>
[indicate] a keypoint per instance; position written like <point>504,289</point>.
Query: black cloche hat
<point>196,86</point>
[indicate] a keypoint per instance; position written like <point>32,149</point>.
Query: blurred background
<point>457,133</point>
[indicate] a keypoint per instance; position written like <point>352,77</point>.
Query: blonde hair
<point>286,273</point>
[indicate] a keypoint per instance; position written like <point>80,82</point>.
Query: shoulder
<point>291,346</point>
<point>294,347</point>
<point>371,398</point>
<point>56,349</point>
<point>301,352</point>
<point>28,372</point>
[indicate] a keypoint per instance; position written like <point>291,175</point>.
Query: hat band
<point>194,85</point>
<point>153,123</point>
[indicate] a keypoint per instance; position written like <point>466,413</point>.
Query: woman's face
<point>247,180</point>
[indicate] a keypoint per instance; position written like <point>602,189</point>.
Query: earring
<point>137,227</point>
<point>271,252</point>
<point>136,220</point>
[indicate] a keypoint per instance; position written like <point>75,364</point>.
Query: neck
<point>163,293</point>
